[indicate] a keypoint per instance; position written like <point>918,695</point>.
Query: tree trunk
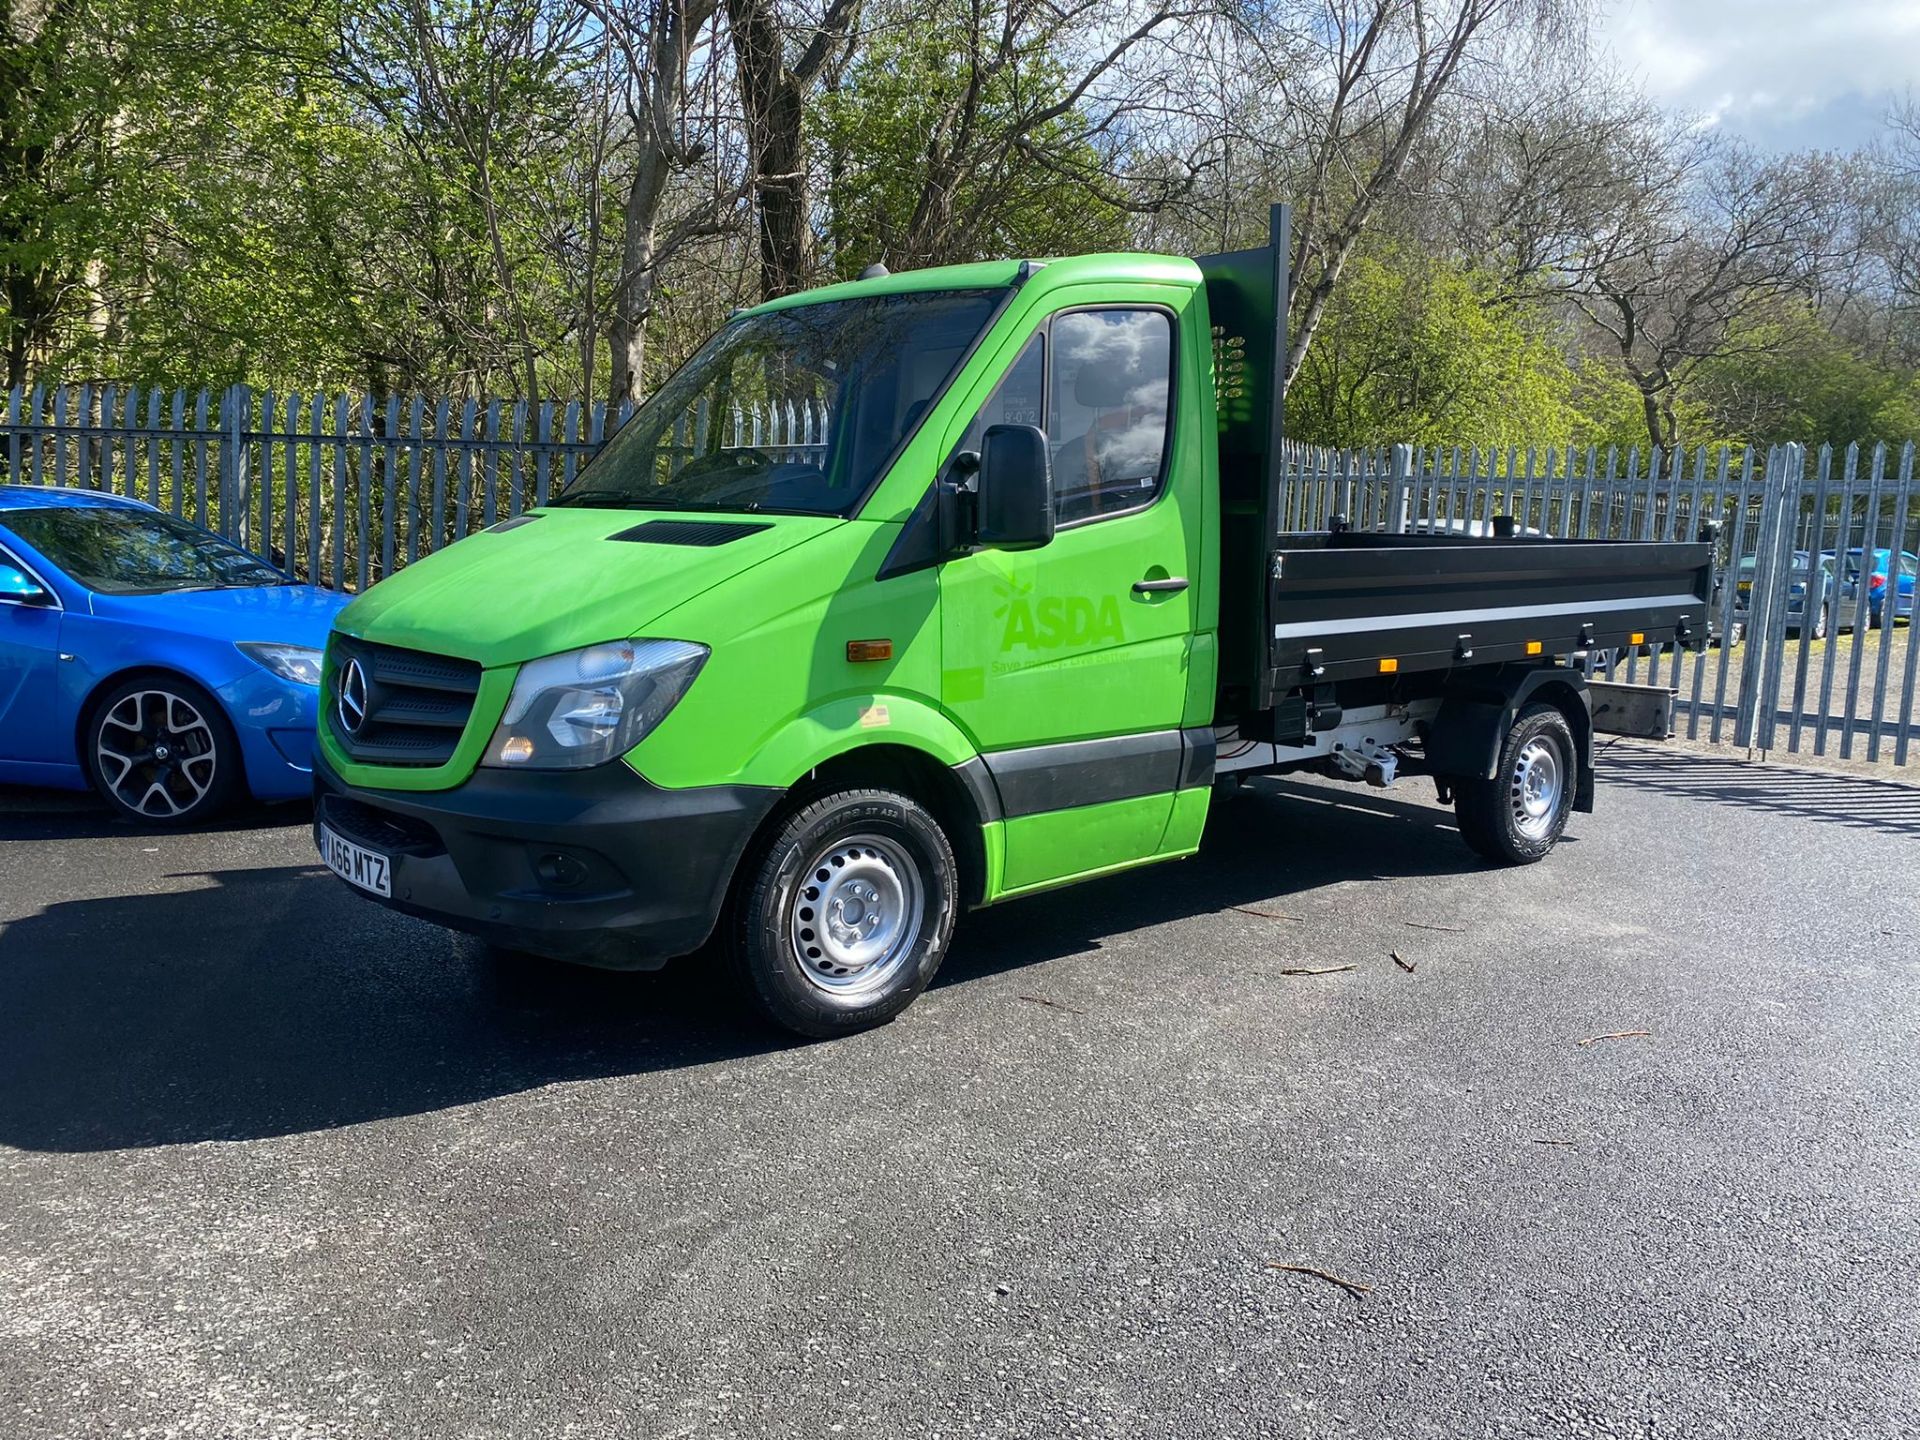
<point>1650,409</point>
<point>633,293</point>
<point>771,98</point>
<point>773,95</point>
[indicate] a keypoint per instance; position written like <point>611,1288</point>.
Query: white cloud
<point>1782,73</point>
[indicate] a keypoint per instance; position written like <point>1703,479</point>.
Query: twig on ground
<point>1316,970</point>
<point>1051,1004</point>
<point>1543,1140</point>
<point>1445,929</point>
<point>1267,914</point>
<point>1353,1287</point>
<point>1406,965</point>
<point>1614,1035</point>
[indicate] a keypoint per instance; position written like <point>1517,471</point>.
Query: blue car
<point>142,655</point>
<point>1887,571</point>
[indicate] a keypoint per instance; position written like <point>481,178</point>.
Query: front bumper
<point>274,720</point>
<point>598,866</point>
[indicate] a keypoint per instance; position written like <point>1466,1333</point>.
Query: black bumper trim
<point>600,867</point>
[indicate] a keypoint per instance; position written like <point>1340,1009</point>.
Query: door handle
<point>1171,585</point>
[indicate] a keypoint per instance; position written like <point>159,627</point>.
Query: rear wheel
<point>159,751</point>
<point>1518,816</point>
<point>847,914</point>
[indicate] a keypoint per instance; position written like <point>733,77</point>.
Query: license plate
<point>369,870</point>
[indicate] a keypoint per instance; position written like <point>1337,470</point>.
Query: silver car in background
<point>1804,575</point>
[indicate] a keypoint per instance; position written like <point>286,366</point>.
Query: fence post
<point>1767,601</point>
<point>1400,488</point>
<point>236,410</point>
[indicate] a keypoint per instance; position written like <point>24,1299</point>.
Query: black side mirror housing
<point>1013,505</point>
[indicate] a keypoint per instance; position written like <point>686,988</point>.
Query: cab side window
<point>1019,399</point>
<point>1108,414</point>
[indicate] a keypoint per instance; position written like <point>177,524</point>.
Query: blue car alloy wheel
<point>160,750</point>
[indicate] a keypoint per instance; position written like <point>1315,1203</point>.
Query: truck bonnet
<point>559,579</point>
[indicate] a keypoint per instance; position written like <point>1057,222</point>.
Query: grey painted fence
<point>1848,691</point>
<point>342,489</point>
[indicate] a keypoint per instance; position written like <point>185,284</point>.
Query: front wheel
<point>1517,817</point>
<point>847,914</point>
<point>160,751</point>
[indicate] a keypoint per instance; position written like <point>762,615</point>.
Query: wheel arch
<point>1479,709</point>
<point>90,702</point>
<point>961,799</point>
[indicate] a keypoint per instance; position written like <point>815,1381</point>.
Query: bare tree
<point>1672,285</point>
<point>1385,68</point>
<point>1352,86</point>
<point>1522,180</point>
<point>666,56</point>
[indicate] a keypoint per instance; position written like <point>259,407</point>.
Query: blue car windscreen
<point>136,552</point>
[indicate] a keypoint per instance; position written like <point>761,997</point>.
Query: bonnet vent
<point>689,532</point>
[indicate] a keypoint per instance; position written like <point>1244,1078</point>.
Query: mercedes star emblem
<point>353,698</point>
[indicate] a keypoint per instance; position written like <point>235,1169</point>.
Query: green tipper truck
<point>991,620</point>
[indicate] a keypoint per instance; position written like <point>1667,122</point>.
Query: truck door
<point>1068,664</point>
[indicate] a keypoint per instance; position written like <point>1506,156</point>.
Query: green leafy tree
<point>1412,350</point>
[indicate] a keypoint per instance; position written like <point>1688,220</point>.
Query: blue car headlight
<point>297,663</point>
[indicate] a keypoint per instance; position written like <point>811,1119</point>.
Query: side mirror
<point>19,588</point>
<point>1014,494</point>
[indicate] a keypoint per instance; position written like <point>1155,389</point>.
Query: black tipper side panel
<point>706,533</point>
<point>1247,300</point>
<point>1344,603</point>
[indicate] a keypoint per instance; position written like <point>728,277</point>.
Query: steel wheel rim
<point>156,753</point>
<point>854,916</point>
<point>1537,782</point>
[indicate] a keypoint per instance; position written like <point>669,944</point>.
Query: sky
<point>1784,74</point>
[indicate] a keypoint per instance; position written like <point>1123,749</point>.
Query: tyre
<point>1518,816</point>
<point>1820,624</point>
<point>159,750</point>
<point>846,914</point>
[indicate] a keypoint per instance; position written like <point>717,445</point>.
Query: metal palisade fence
<point>340,490</point>
<point>1814,647</point>
<point>344,489</point>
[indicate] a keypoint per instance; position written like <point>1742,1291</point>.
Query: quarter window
<point>1019,399</point>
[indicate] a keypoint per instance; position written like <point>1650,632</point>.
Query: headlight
<point>587,706</point>
<point>297,663</point>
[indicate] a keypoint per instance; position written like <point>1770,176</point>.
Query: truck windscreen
<point>796,410</point>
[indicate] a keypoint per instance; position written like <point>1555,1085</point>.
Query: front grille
<point>414,709</point>
<point>384,830</point>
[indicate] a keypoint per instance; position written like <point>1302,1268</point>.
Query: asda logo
<point>1060,620</point>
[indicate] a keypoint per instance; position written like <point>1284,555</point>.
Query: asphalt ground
<point>276,1162</point>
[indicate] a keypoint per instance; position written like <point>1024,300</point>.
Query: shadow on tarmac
<point>248,1003</point>
<point>1832,797</point>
